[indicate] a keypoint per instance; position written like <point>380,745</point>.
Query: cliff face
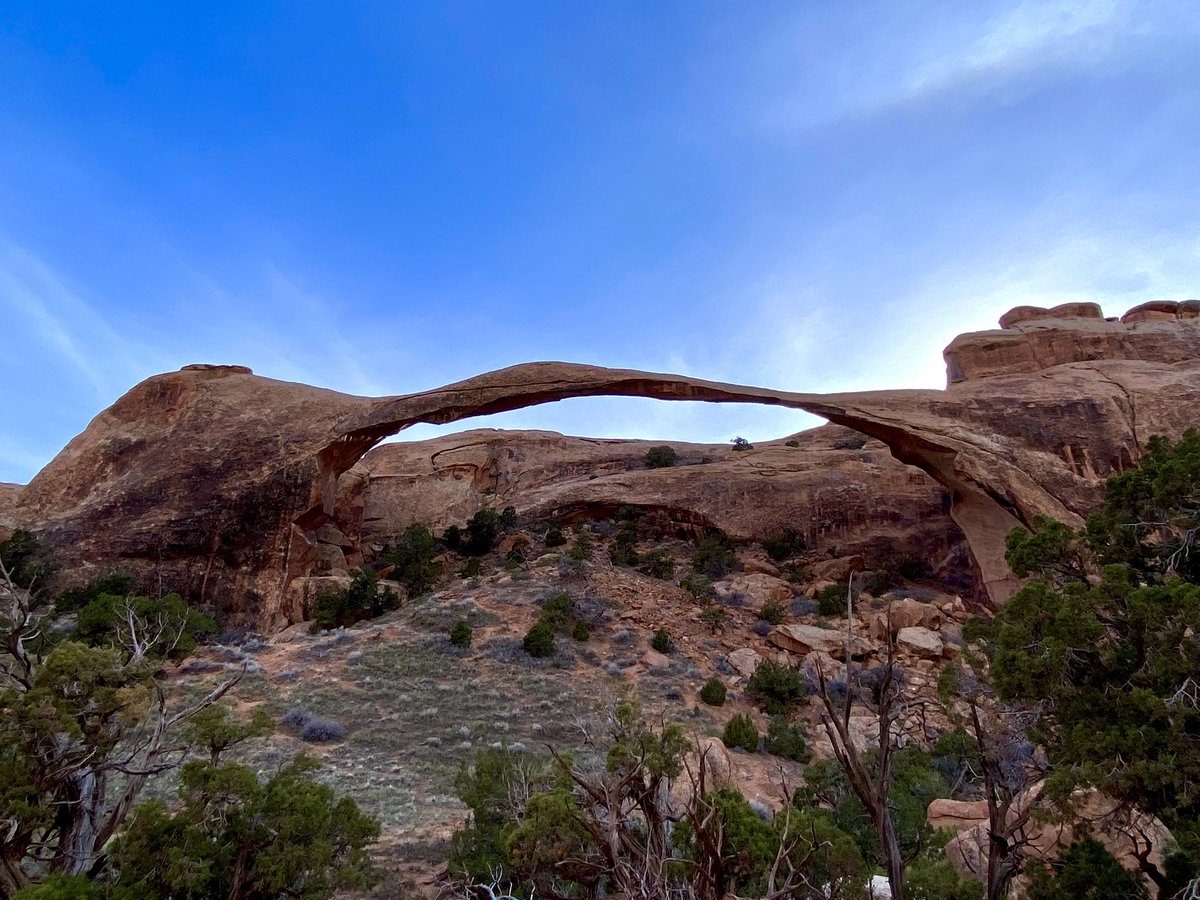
<point>220,480</point>
<point>845,494</point>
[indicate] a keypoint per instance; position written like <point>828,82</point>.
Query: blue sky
<point>382,197</point>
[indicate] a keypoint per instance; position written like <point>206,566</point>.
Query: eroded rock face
<point>220,479</point>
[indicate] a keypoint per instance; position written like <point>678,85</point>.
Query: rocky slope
<point>219,479</point>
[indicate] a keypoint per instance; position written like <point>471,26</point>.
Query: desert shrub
<point>508,518</point>
<point>296,718</point>
<point>930,878</point>
<point>481,533</point>
<point>713,693</point>
<point>452,537</point>
<point>761,628</point>
<point>657,564</point>
<point>662,457</point>
<point>1086,870</point>
<point>115,584</point>
<point>100,623</point>
<point>784,544</point>
<point>27,562</point>
<point>362,600</point>
<point>461,633</point>
<point>580,630</point>
<point>740,443</point>
<point>558,612</point>
<point>699,586</point>
<point>514,559</point>
<point>581,549</point>
<point>740,732</point>
<point>539,640</point>
<point>623,551</point>
<point>661,641</point>
<point>832,600</point>
<point>413,559</point>
<point>802,606</point>
<point>772,611</point>
<point>778,688</point>
<point>715,557</point>
<point>787,740</point>
<point>855,442</point>
<point>322,731</point>
<point>792,443</point>
<point>554,536</point>
<point>879,583</point>
<point>714,617</point>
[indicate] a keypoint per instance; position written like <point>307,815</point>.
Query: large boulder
<point>804,639</point>
<point>918,641</point>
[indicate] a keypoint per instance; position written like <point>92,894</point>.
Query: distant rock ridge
<point>219,479</point>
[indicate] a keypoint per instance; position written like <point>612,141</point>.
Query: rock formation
<point>220,479</point>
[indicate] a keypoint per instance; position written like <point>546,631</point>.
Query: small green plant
<point>623,551</point>
<point>740,443</point>
<point>461,634</point>
<point>772,611</point>
<point>715,557</point>
<point>580,630</point>
<point>778,688</point>
<point>554,537</point>
<point>558,612</point>
<point>412,559</point>
<point>661,641</point>
<point>472,568</point>
<point>787,740</point>
<point>582,548</point>
<point>699,586</point>
<point>713,692</point>
<point>832,600</point>
<point>657,564</point>
<point>714,617</point>
<point>539,640</point>
<point>784,544</point>
<point>792,443</point>
<point>740,732</point>
<point>662,457</point>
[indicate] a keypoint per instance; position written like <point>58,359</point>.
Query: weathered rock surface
<point>220,479</point>
<point>918,641</point>
<point>804,639</point>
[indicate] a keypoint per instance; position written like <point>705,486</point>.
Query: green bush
<point>360,601</point>
<point>656,564</point>
<point>713,693</point>
<point>772,611</point>
<point>472,568</point>
<point>878,584</point>
<point>1086,870</point>
<point>661,641</point>
<point>623,551</point>
<point>580,630</point>
<point>461,634</point>
<point>554,537</point>
<point>787,740</point>
<point>784,544</point>
<point>740,443</point>
<point>115,584</point>
<point>740,732</point>
<point>792,443</point>
<point>558,612</point>
<point>832,600</point>
<point>582,548</point>
<point>25,559</point>
<point>539,640</point>
<point>778,688</point>
<point>100,622</point>
<point>715,557</point>
<point>714,617</point>
<point>412,557</point>
<point>930,878</point>
<point>662,457</point>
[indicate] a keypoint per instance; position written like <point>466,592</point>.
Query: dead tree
<point>871,783</point>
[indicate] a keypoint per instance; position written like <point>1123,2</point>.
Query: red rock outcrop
<point>844,493</point>
<point>221,478</point>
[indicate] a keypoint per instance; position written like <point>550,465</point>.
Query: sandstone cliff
<point>220,479</point>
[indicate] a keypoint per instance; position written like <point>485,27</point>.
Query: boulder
<point>918,641</point>
<point>756,566</point>
<point>837,569</point>
<point>755,589</point>
<point>331,534</point>
<point>956,815</point>
<point>745,661</point>
<point>804,639</point>
<point>906,613</point>
<point>652,659</point>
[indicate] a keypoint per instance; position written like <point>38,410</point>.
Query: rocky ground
<point>415,709</point>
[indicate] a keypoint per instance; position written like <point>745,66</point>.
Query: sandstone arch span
<point>220,477</point>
